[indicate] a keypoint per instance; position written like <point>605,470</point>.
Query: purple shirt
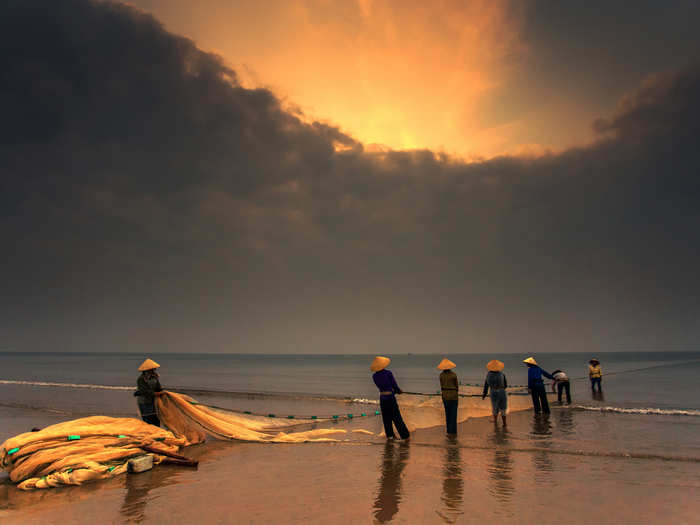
<point>385,382</point>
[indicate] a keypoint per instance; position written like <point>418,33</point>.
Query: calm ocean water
<point>662,381</point>
<point>650,398</point>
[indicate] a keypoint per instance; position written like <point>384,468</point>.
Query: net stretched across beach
<point>99,447</point>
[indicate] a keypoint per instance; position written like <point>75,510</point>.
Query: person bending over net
<point>561,383</point>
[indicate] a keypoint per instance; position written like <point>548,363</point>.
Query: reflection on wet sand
<point>542,435</point>
<point>598,396</point>
<point>565,421</point>
<point>501,468</point>
<point>452,498</point>
<point>138,487</point>
<point>394,460</point>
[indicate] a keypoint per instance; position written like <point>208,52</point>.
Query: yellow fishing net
<point>421,411</point>
<point>81,450</point>
<point>187,418</point>
<point>99,447</point>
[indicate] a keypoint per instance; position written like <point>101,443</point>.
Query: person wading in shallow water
<point>148,385</point>
<point>595,373</point>
<point>449,386</point>
<point>388,389</point>
<point>535,385</point>
<point>496,381</point>
<point>561,383</point>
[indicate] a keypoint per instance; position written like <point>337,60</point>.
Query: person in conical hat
<point>595,373</point>
<point>388,388</point>
<point>148,387</point>
<point>535,384</point>
<point>449,387</point>
<point>148,364</point>
<point>497,383</point>
<point>379,363</point>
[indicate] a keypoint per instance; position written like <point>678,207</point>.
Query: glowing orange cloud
<point>405,74</point>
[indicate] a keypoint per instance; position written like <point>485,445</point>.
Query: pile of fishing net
<point>81,450</point>
<point>100,447</point>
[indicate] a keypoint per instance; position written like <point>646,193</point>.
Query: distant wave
<point>199,391</point>
<point>64,385</point>
<point>643,411</point>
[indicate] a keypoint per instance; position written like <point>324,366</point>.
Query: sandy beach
<point>527,473</point>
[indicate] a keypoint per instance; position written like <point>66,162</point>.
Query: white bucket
<point>140,464</point>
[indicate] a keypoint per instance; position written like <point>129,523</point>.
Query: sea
<point>651,387</point>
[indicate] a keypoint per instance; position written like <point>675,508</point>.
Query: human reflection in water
<point>452,497</point>
<point>394,460</point>
<point>501,468</point>
<point>598,396</point>
<point>139,485</point>
<point>565,421</point>
<point>542,436</point>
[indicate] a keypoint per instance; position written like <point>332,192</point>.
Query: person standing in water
<point>535,384</point>
<point>561,383</point>
<point>391,415</point>
<point>497,383</point>
<point>595,373</point>
<point>449,386</point>
<point>148,385</point>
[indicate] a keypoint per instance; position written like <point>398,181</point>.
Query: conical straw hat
<point>446,364</point>
<point>148,364</point>
<point>530,361</point>
<point>495,365</point>
<point>379,363</point>
<point>594,360</point>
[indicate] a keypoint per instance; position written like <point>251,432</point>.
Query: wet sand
<point>525,474</point>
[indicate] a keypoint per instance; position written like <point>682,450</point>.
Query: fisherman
<point>449,386</point>
<point>535,385</point>
<point>388,389</point>
<point>148,385</point>
<point>561,383</point>
<point>595,373</point>
<point>497,382</point>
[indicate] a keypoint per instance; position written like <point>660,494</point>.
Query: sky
<point>349,177</point>
<point>473,78</point>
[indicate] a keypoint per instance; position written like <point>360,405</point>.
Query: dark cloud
<point>150,201</point>
<point>598,50</point>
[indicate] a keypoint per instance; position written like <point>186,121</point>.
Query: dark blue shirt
<point>534,376</point>
<point>385,382</point>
